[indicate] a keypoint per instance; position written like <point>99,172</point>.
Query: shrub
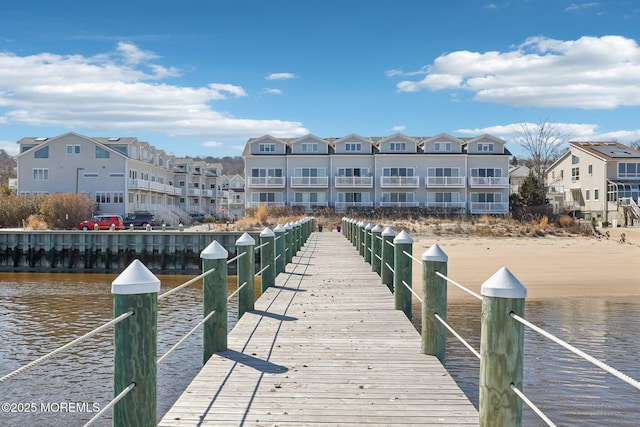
<point>66,210</point>
<point>35,222</point>
<point>14,209</point>
<point>262,214</point>
<point>544,223</point>
<point>565,221</point>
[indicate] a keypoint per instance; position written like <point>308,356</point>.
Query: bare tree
<point>543,143</point>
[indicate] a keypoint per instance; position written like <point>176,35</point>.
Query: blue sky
<point>200,77</point>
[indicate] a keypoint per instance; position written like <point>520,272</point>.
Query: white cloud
<point>281,76</point>
<point>398,128</point>
<point>573,7</point>
<point>10,147</point>
<point>121,91</point>
<point>273,91</point>
<point>212,144</point>
<point>588,73</point>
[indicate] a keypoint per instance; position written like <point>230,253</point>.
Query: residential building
<point>517,175</point>
<point>123,175</point>
<point>232,196</point>
<point>599,180</point>
<point>443,173</point>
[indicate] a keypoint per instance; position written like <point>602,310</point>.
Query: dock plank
<point>325,346</point>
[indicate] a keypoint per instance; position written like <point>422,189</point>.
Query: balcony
<point>354,182</point>
<point>399,182</point>
<point>445,181</point>
<point>207,193</point>
<point>267,181</point>
<point>446,205</point>
<point>194,192</point>
<point>309,181</point>
<point>308,206</point>
<point>489,181</point>
<point>256,204</point>
<point>400,204</point>
<point>489,208</point>
<point>139,184</point>
<point>342,206</point>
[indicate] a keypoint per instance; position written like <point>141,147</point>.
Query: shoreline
<point>549,267</point>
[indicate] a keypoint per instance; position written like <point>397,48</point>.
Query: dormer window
<point>485,147</point>
<point>397,146</point>
<point>309,147</point>
<point>443,146</point>
<point>267,148</point>
<point>353,146</point>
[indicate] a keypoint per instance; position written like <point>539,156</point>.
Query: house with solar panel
<point>596,180</point>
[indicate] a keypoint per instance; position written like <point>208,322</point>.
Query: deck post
<point>376,248</point>
<point>350,225</point>
<point>298,228</point>
<point>362,234</point>
<point>267,258</point>
<point>214,295</point>
<point>501,350</point>
<point>434,301</point>
<point>135,345</point>
<point>356,233</point>
<point>246,272</point>
<point>289,248</point>
<point>367,242</point>
<point>387,257</point>
<point>403,271</point>
<point>280,254</point>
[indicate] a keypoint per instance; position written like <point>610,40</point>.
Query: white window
<point>73,148</point>
<point>443,146</point>
<point>101,153</point>
<point>267,148</point>
<point>353,146</point>
<point>596,194</point>
<point>266,197</point>
<point>353,171</point>
<point>397,146</point>
<point>353,197</point>
<point>261,173</point>
<point>443,197</point>
<point>486,197</point>
<point>483,172</point>
<point>118,197</point>
<point>398,171</point>
<point>309,147</point>
<point>310,172</point>
<point>398,197</point>
<point>40,174</point>
<point>443,172</point>
<point>103,197</point>
<point>485,146</point>
<point>587,195</point>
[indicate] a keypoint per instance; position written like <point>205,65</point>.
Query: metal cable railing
<point>68,345</point>
<point>195,328</point>
<point>185,284</point>
<point>531,405</point>
<point>260,272</point>
<point>111,404</point>
<point>457,335</point>
<point>406,285</point>
<point>469,291</point>
<point>236,291</point>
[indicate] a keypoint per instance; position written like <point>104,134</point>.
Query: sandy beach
<point>549,267</point>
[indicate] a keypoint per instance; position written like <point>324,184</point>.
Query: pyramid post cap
<point>135,279</point>
<point>214,251</point>
<point>245,240</point>
<point>267,232</point>
<point>403,238</point>
<point>503,284</point>
<point>435,253</point>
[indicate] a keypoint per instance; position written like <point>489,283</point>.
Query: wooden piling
<point>214,290</point>
<point>267,258</point>
<point>280,254</point>
<point>434,301</point>
<point>376,249</point>
<point>387,257</point>
<point>402,267</point>
<point>246,272</point>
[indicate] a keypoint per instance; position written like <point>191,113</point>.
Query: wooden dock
<point>323,347</point>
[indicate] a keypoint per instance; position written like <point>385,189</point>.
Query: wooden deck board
<point>325,346</point>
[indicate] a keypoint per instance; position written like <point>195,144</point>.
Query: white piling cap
<point>214,251</point>
<point>403,238</point>
<point>245,240</point>
<point>376,229</point>
<point>503,284</point>
<point>267,233</point>
<point>135,279</point>
<point>288,226</point>
<point>368,226</point>
<point>388,232</point>
<point>435,253</point>
<point>279,229</point>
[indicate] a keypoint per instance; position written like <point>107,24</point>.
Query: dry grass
<point>35,222</point>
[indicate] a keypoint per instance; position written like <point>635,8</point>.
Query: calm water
<point>40,312</point>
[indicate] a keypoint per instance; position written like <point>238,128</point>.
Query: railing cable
<point>66,346</point>
<point>469,291</point>
<point>186,336</point>
<point>389,267</point>
<point>455,334</point>
<point>531,405</point>
<point>115,400</point>
<point>411,256</point>
<point>406,285</point>
<point>236,291</point>
<point>260,272</point>
<point>236,258</point>
<point>578,352</point>
<point>261,246</point>
<point>187,283</point>
<point>390,244</point>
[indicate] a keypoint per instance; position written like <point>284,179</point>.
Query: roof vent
<point>115,138</point>
<point>40,139</point>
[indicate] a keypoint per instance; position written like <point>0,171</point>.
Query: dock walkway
<point>325,346</point>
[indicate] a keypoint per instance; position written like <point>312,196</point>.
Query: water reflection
<point>40,312</point>
<point>570,390</point>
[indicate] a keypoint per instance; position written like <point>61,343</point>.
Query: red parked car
<point>104,222</point>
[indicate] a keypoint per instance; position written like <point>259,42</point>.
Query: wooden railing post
<point>367,242</point>
<point>214,294</point>
<point>387,257</point>
<point>135,345</point>
<point>434,301</point>
<point>376,249</point>
<point>246,273</point>
<point>298,227</point>
<point>403,271</point>
<point>289,248</point>
<point>280,248</point>
<point>501,350</point>
<point>362,233</point>
<point>267,258</point>
<point>352,234</point>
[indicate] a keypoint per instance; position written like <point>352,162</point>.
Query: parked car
<point>103,221</point>
<point>140,220</point>
<point>196,217</point>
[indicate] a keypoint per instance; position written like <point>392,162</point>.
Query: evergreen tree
<point>532,191</point>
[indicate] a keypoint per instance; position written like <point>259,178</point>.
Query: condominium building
<point>123,175</point>
<point>232,191</point>
<point>595,180</point>
<point>443,172</point>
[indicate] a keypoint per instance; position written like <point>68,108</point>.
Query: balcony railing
<point>267,181</point>
<point>143,184</point>
<point>489,207</point>
<point>309,181</point>
<point>139,184</point>
<point>489,181</point>
<point>446,205</point>
<point>400,204</point>
<point>193,192</point>
<point>399,181</point>
<point>308,206</point>
<point>342,206</point>
<point>445,181</point>
<point>253,204</point>
<point>354,182</point>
